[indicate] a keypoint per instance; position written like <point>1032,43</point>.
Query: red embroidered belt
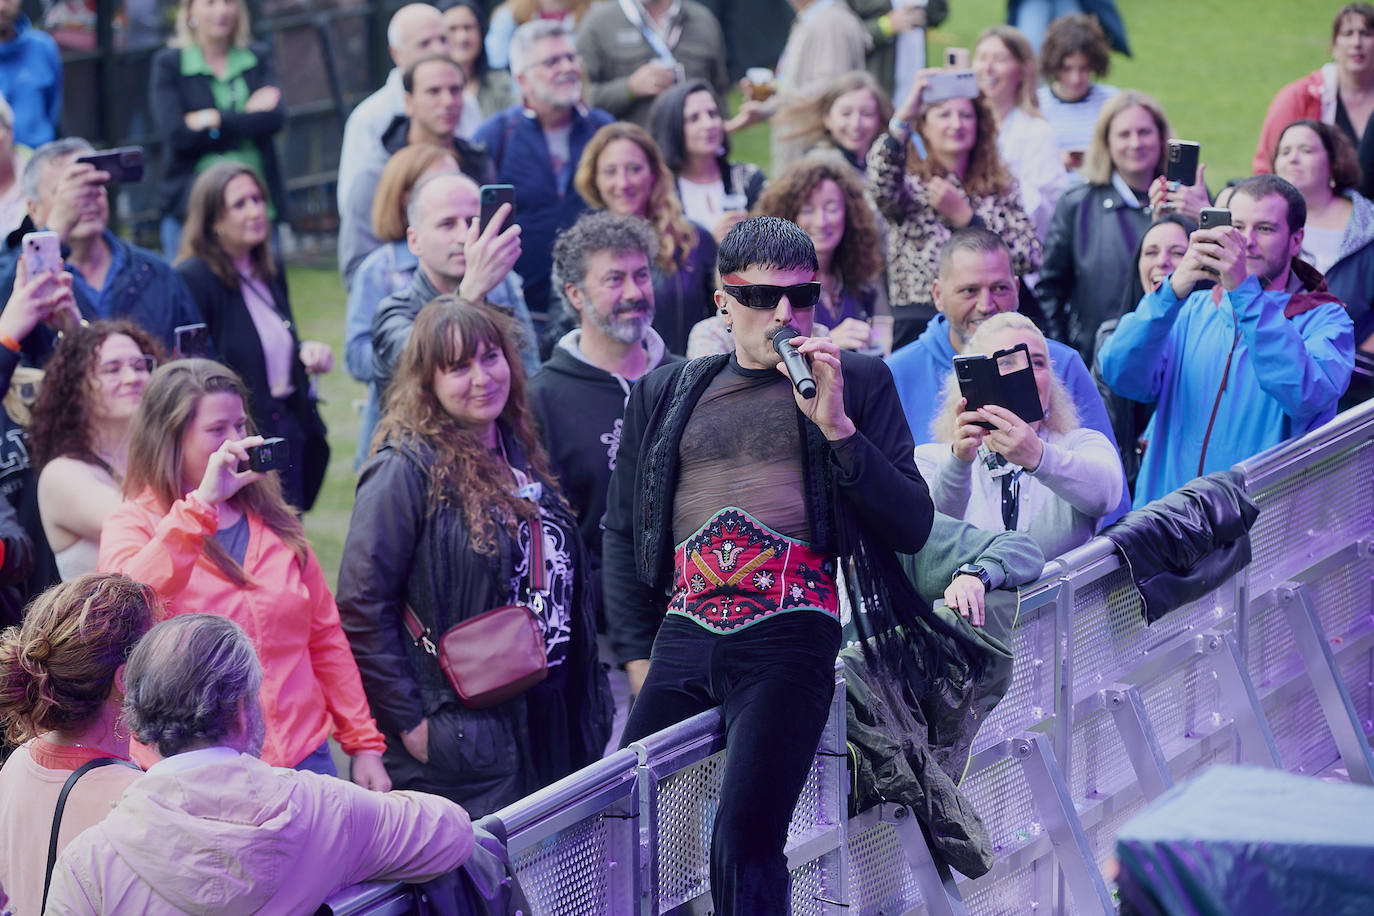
<point>735,572</point>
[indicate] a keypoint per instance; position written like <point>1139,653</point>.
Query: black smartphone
<point>1182,162</point>
<point>125,164</point>
<point>492,197</point>
<point>1212,217</point>
<point>1005,378</point>
<point>191,340</point>
<point>273,455</point>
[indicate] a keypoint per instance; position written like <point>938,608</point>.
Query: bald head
<point>435,188</point>
<point>416,30</point>
<point>441,209</point>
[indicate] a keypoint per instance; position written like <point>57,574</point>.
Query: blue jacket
<point>31,81</point>
<point>146,291</point>
<point>921,367</point>
<point>1285,375</point>
<point>544,202</point>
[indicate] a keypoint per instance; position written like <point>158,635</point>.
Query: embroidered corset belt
<point>734,572</point>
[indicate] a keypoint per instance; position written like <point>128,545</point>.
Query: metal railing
<point>1275,667</point>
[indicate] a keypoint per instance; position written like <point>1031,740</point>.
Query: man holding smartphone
<point>110,277</point>
<point>1261,356</point>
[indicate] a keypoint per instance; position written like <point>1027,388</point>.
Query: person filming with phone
<point>1030,469</point>
<point>1262,355</point>
<point>110,278</point>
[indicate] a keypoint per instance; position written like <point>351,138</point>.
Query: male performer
<point>760,490</point>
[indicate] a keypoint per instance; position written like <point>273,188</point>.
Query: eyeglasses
<point>802,296</point>
<point>572,58</point>
<point>142,365</point>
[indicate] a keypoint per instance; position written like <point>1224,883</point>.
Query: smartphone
<point>42,253</point>
<point>191,340</point>
<point>125,164</point>
<point>1182,162</point>
<point>492,197</point>
<point>1212,217</point>
<point>956,58</point>
<point>1005,379</point>
<point>273,455</point>
<point>950,84</point>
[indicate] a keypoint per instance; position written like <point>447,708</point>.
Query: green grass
<point>1214,68</point>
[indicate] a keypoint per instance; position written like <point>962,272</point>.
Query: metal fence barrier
<point>1275,667</point>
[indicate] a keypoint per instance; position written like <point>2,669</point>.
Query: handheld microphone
<point>797,365</point>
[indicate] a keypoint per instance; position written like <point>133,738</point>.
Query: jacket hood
<point>218,838</point>
<point>1359,231</point>
<point>934,340</point>
<point>568,358</point>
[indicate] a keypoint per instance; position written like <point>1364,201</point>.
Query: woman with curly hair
<point>956,178</point>
<point>210,534</point>
<point>80,433</point>
<point>61,693</point>
<point>622,170</point>
<point>442,531</point>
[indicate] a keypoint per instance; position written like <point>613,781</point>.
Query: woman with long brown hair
<point>79,435</point>
<point>239,283</point>
<point>209,534</point>
<point>443,531</point>
<point>955,178</point>
<point>622,170</point>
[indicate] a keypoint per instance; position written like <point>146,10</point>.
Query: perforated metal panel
<point>1357,670</point>
<point>879,882</point>
<point>1183,704</point>
<point>1016,893</point>
<point>1000,795</point>
<point>1100,764</point>
<point>808,814</point>
<point>1030,698</point>
<point>1303,738</point>
<point>808,890</point>
<point>687,803</point>
<point>1310,513</point>
<point>568,873</point>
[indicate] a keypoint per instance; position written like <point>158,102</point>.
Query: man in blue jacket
<point>975,282</point>
<point>536,146</point>
<point>1260,357</point>
<point>110,277</point>
<point>30,76</point>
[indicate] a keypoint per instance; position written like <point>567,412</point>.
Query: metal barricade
<point>1104,713</point>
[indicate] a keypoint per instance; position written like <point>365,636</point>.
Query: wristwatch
<point>973,569</point>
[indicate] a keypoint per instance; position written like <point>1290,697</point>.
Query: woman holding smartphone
<point>209,535</point>
<point>240,285</point>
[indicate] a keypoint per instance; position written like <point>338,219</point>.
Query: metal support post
<point>1142,747</point>
<point>1255,740</point>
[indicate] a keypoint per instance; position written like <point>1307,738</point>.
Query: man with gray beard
<point>210,828</point>
<point>601,269</point>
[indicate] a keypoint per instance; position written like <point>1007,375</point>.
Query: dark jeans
<point>775,681</point>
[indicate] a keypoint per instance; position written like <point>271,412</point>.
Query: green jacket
<point>882,55</point>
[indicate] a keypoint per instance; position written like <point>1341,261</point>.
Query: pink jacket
<point>235,836</point>
<point>1312,97</point>
<point>310,685</point>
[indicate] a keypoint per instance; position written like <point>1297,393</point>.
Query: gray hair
<point>413,208</point>
<point>527,36</point>
<point>44,156</point>
<point>599,230</point>
<point>187,680</point>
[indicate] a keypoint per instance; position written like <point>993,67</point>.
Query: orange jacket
<point>309,676</point>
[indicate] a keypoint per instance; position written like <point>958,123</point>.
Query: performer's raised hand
<point>826,409</point>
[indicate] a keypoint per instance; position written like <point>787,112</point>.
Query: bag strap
<point>62,803</point>
<point>536,567</point>
<point>419,633</point>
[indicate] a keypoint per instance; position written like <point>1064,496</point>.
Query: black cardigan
<point>171,96</point>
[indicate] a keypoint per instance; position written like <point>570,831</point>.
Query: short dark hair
<point>187,680</point>
<point>599,230</point>
<point>1258,187</point>
<point>977,239</point>
<point>1363,10</point>
<point>408,75</point>
<point>1341,157</point>
<point>766,241</point>
<point>1076,33</point>
<point>666,123</point>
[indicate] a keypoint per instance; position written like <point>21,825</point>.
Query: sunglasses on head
<point>802,296</point>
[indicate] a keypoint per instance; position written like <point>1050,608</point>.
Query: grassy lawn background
<point>1214,68</point>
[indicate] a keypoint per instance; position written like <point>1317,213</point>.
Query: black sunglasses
<point>763,296</point>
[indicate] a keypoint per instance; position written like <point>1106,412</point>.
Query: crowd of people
<point>594,495</point>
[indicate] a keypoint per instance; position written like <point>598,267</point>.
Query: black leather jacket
<point>401,553</point>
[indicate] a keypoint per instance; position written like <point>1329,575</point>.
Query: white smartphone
<point>42,253</point>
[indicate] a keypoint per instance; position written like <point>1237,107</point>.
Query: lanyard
<point>661,44</point>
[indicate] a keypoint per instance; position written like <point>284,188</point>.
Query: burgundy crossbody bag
<point>499,654</point>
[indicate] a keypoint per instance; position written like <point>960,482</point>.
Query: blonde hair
<point>1097,164</point>
<point>402,173</point>
<point>183,36</point>
<point>1061,416</point>
<point>1019,47</point>
<point>676,234</point>
<point>522,11</point>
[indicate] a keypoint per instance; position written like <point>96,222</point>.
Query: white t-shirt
<point>702,203</point>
